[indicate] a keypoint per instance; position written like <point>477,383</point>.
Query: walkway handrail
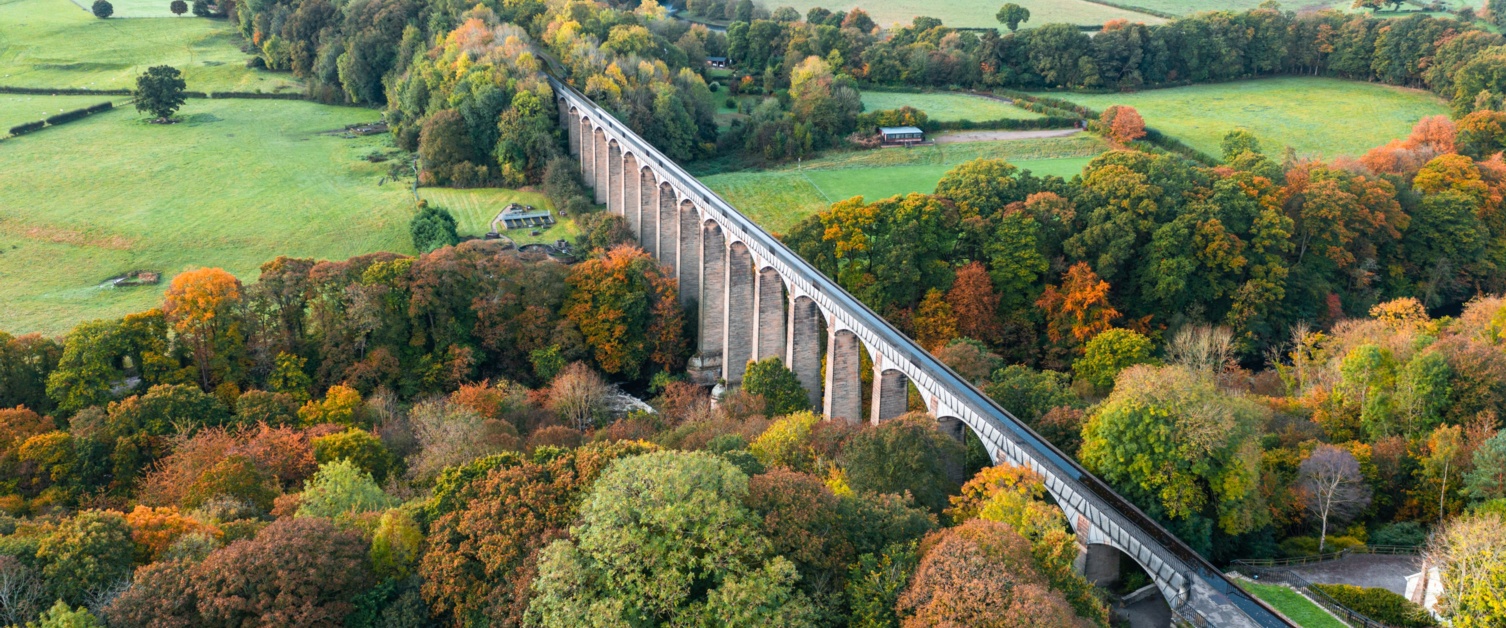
<point>1291,561</point>
<point>1046,454</point>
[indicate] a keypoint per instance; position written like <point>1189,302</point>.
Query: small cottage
<point>902,135</point>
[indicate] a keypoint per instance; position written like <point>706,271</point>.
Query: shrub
<point>23,129</point>
<point>432,228</point>
<point>102,9</point>
<point>1379,604</point>
<point>1404,534</point>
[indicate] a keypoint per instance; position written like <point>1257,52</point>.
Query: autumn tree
<point>1335,490</point>
<point>975,304</point>
<point>1079,309</point>
<point>578,396</point>
<point>1109,353</point>
<point>1470,554</point>
<point>85,555</point>
<point>362,448</point>
<point>981,574</point>
<point>628,312</point>
<point>202,306</point>
<point>905,454</point>
<point>1123,124</point>
<point>25,363</point>
<point>935,323</point>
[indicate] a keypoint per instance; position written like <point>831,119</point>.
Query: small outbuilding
<point>717,62</point>
<point>902,135</point>
<point>517,216</point>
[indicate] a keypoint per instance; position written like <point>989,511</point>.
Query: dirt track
<point>956,137</point>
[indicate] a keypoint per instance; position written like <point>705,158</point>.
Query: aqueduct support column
<point>647,182</point>
<point>572,126</point>
<point>587,153</point>
<point>740,316</point>
<point>668,250</point>
<point>599,168</point>
<point>648,215</point>
<point>771,317</point>
<point>690,253</point>
<point>891,392</point>
<point>632,181</point>
<point>805,346</point>
<point>844,394</point>
<point>713,291</point>
<point>615,183</point>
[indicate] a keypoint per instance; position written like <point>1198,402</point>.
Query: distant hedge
<point>257,95</point>
<point>64,117</point>
<point>23,129</point>
<point>1048,122</point>
<point>63,91</point>
<point>1379,604</point>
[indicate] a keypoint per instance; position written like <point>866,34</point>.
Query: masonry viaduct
<point>757,299</point>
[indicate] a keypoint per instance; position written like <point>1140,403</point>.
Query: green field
<point>1188,7</point>
<point>777,199</point>
<point>237,183</point>
<point>17,108</point>
<point>1293,605</point>
<point>52,43</point>
<point>944,107</point>
<point>1316,116</point>
<point>139,8</point>
<point>973,13</point>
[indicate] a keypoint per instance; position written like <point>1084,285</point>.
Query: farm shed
<point>902,134</point>
<point>516,216</point>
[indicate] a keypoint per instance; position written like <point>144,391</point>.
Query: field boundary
<point>223,95</point>
<point>1138,9</point>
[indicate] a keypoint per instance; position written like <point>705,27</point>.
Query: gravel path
<point>956,137</point>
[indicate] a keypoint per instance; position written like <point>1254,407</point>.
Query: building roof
<point>897,130</point>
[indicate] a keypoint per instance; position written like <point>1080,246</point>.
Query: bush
<point>1404,534</point>
<point>23,129</point>
<point>730,103</point>
<point>432,228</point>
<point>1379,604</point>
<point>102,9</point>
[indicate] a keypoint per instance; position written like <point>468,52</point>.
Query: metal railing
<point>1259,564</point>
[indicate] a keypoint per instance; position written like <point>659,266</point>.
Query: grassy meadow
<point>779,198</point>
<point>54,43</point>
<point>974,13</point>
<point>139,8</point>
<point>944,107</point>
<point>234,185</point>
<point>20,108</point>
<point>1315,116</point>
<point>1188,7</point>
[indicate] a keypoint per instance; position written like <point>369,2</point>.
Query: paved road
<point>1365,570</point>
<point>955,137</point>
<point>1151,612</point>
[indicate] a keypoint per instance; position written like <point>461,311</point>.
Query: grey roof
<point>890,130</point>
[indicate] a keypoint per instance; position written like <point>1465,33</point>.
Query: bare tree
<point>20,592</point>
<point>1202,348</point>
<point>1335,489</point>
<point>579,396</point>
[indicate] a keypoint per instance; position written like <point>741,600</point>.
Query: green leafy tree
<point>359,447</point>
<point>61,616</point>
<point>102,9</point>
<point>1012,15</point>
<point>159,90</point>
<point>787,443</point>
<point>341,488</point>
<point>1239,142</point>
<point>1109,353</point>
<point>665,538</point>
<point>781,391</point>
<point>166,409</point>
<point>178,7</point>
<point>396,545</point>
<point>86,554</point>
<point>288,375</point>
<point>906,454</point>
<point>1182,450</point>
<point>874,583</point>
<point>1487,481</point>
<point>432,227</point>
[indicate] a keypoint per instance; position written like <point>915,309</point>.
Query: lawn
<point>1315,116</point>
<point>944,107</point>
<point>1188,7</point>
<point>18,108</point>
<point>54,43</point>
<point>139,8</point>
<point>474,210</point>
<point>234,185</point>
<point>1293,605</point>
<point>973,13</point>
<point>779,198</point>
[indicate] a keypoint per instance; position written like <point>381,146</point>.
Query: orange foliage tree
<point>201,305</point>
<point>1123,124</point>
<point>153,530</point>
<point>981,573</point>
<point>1079,309</point>
<point>975,304</point>
<point>628,310</point>
<point>935,323</point>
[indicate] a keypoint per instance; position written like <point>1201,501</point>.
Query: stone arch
<point>587,152</point>
<point>738,347</point>
<point>844,380</point>
<point>668,248</point>
<point>690,253</point>
<point>772,334</point>
<point>805,344</point>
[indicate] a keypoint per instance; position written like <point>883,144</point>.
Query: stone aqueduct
<point>757,299</point>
